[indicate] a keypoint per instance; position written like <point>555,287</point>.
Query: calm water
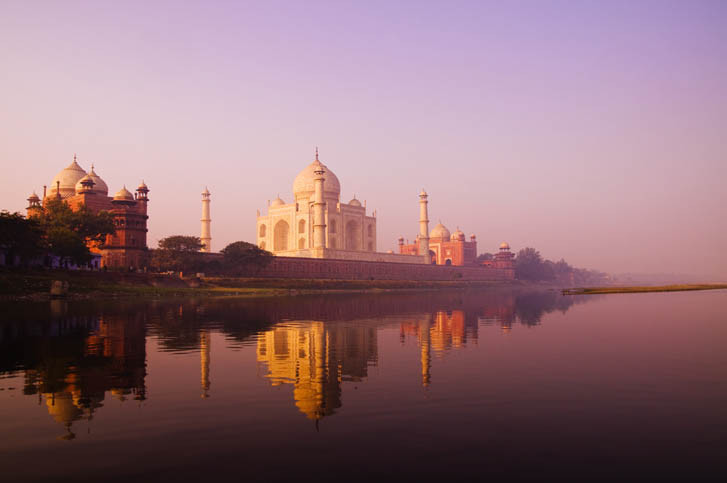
<point>360,387</point>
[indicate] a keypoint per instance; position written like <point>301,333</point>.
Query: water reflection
<point>74,356</point>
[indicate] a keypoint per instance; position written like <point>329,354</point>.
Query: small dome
<point>458,235</point>
<point>33,197</point>
<point>67,179</point>
<point>123,195</point>
<point>87,180</point>
<point>504,246</point>
<point>473,236</point>
<point>354,202</point>
<point>440,231</point>
<point>99,184</point>
<point>144,187</point>
<point>277,201</point>
<point>304,184</point>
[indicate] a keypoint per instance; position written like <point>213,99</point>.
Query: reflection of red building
<point>445,248</point>
<point>127,247</point>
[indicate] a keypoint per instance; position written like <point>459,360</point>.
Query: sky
<point>592,131</point>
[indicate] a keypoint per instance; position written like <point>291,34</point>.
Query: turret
<point>34,207</point>
<point>319,221</point>
<point>206,235</point>
<point>423,224</point>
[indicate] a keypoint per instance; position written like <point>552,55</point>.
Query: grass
<point>35,284</point>
<point>642,289</point>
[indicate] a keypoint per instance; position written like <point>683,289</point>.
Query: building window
<point>301,226</point>
<point>262,231</point>
<point>371,246</point>
<point>301,244</point>
<point>332,227</point>
<point>332,242</point>
<point>370,230</point>
<point>280,235</point>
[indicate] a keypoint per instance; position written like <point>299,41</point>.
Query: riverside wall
<point>320,268</point>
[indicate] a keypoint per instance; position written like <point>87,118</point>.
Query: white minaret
<point>319,220</point>
<point>206,236</point>
<point>423,224</point>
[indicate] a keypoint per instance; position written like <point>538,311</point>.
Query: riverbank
<point>660,288</point>
<point>36,284</point>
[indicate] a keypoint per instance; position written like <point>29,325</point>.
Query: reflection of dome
<point>304,184</point>
<point>439,231</point>
<point>458,235</point>
<point>277,201</point>
<point>504,246</point>
<point>100,185</point>
<point>354,202</point>
<point>68,179</point>
<point>123,195</point>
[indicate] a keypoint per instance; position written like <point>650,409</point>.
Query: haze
<point>592,131</point>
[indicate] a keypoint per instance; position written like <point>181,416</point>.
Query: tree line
<point>181,253</point>
<point>530,265</point>
<point>58,230</point>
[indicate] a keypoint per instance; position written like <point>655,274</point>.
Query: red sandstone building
<point>445,248</point>
<point>126,248</point>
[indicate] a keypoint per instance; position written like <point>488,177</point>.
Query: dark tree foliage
<point>529,265</point>
<point>483,257</point>
<point>20,237</point>
<point>68,233</point>
<point>178,253</point>
<point>243,258</point>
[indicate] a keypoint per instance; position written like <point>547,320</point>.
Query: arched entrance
<point>280,234</point>
<point>353,235</point>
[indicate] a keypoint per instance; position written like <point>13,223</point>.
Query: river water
<point>434,386</point>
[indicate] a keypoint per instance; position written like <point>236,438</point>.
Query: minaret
<point>423,225</point>
<point>319,220</point>
<point>206,236</point>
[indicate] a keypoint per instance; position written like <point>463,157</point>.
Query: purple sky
<point>593,131</point>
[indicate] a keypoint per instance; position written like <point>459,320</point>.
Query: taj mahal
<point>316,224</point>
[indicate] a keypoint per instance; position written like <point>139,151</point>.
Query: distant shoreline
<point>16,285</point>
<point>644,289</point>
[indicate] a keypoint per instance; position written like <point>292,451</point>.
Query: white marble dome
<point>504,246</point>
<point>440,231</point>
<point>277,202</point>
<point>354,202</point>
<point>304,184</point>
<point>68,178</point>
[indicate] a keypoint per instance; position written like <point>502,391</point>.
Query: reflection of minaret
<point>206,236</point>
<point>204,362</point>
<point>426,357</point>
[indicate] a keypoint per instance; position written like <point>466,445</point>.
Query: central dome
<point>68,179</point>
<point>440,231</point>
<point>304,184</point>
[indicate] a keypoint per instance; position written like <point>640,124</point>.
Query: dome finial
<point>316,153</point>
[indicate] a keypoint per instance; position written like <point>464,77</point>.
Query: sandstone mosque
<point>316,224</point>
<point>126,248</point>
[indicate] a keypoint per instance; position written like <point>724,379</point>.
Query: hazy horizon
<point>591,131</point>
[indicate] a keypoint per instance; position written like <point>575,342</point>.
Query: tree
<point>528,264</point>
<point>19,237</point>
<point>483,257</point>
<point>245,258</point>
<point>178,253</point>
<point>69,234</point>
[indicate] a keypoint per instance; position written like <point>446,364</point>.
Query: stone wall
<point>291,267</point>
